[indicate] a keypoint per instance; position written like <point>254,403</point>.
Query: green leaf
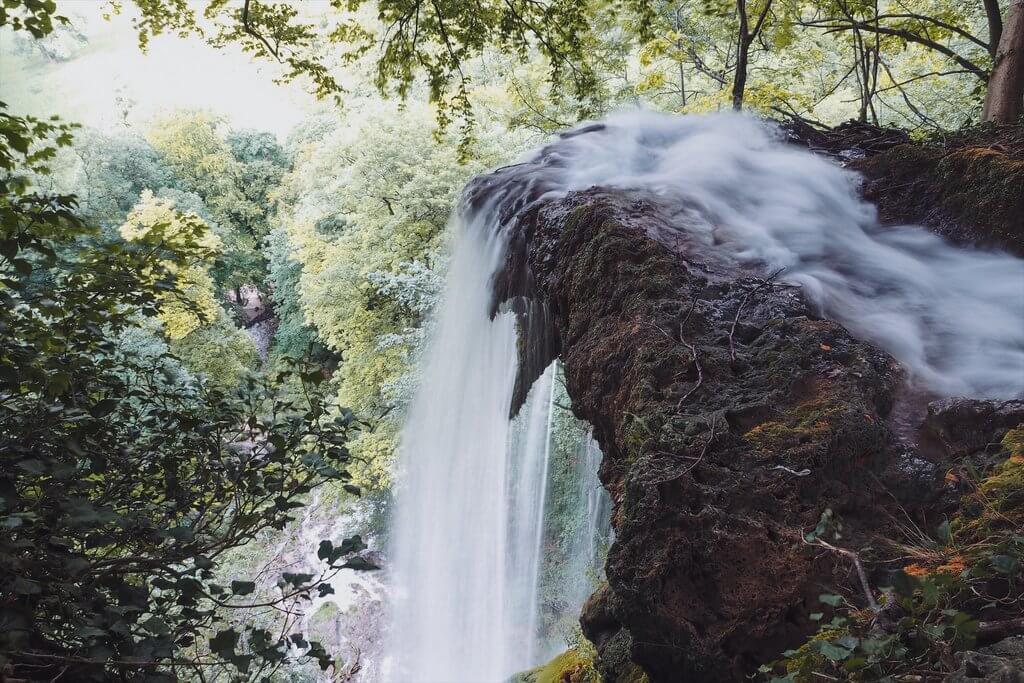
<point>104,407</point>
<point>1004,564</point>
<point>830,599</point>
<point>296,580</point>
<point>903,583</point>
<point>360,564</point>
<point>832,652</point>
<point>224,643</point>
<point>943,533</point>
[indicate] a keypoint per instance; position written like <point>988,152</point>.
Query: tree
<point>942,29</point>
<point>365,210</point>
<point>192,302</point>
<point>745,37</point>
<point>112,171</point>
<point>432,39</point>
<point>203,163</point>
<point>218,352</point>
<point>1004,101</point>
<point>120,487</point>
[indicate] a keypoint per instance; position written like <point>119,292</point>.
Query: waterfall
<point>469,513</point>
<point>468,527</point>
<point>530,457</point>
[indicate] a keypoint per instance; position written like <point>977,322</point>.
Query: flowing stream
<point>469,523</point>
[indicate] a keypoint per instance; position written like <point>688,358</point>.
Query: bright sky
<point>175,73</point>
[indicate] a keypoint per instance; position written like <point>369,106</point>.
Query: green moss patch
<point>572,666</point>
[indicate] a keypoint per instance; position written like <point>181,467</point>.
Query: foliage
<point>365,213</point>
<point>218,353</point>
<point>294,337</point>
<point>36,17</point>
<point>434,41</point>
<point>191,303</point>
<point>203,163</point>
<point>120,487</point>
<point>112,171</point>
<point>966,580</point>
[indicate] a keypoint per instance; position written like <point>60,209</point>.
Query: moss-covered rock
<point>967,187</point>
<point>730,424</point>
<point>572,666</point>
<point>702,435</point>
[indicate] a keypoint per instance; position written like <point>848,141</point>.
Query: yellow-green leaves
<point>192,303</point>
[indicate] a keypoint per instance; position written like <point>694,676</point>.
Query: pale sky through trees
<point>176,73</point>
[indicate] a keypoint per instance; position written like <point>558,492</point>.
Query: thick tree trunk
<point>1004,102</point>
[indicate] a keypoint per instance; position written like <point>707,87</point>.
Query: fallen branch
<point>856,563</point>
<point>997,630</point>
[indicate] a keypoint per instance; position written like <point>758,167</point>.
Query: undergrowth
<point>959,587</point>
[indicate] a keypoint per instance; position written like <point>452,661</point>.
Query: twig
<point>856,563</point>
<point>802,473</point>
<point>699,458</point>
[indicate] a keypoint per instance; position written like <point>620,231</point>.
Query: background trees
<point>123,484</point>
<point>437,43</point>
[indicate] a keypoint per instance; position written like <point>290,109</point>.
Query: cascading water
<point>469,517</point>
<point>468,526</point>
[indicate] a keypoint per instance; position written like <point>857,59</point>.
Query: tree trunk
<point>1004,102</point>
<point>739,81</point>
<point>995,25</point>
<point>680,48</point>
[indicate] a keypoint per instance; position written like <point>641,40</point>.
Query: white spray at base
<point>466,541</point>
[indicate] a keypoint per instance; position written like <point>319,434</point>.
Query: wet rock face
<point>965,426</point>
<point>730,419</point>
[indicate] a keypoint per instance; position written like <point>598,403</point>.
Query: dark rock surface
<point>730,420</point>
<point>965,425</point>
<point>1002,662</point>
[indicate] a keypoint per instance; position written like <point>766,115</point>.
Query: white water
<point>467,529</point>
<point>469,517</point>
<point>530,455</point>
<point>953,317</point>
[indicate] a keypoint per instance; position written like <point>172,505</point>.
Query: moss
<point>633,674</point>
<point>967,188</point>
<point>997,504</point>
<point>1014,442</point>
<point>981,184</point>
<point>636,432</point>
<point>572,666</point>
<point>807,661</point>
<point>1004,488</point>
<point>810,421</point>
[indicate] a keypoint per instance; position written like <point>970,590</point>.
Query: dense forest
<point>212,339</point>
